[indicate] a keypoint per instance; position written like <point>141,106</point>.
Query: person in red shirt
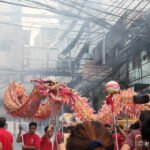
<point>6,138</point>
<point>30,139</point>
<point>49,141</point>
<point>120,135</point>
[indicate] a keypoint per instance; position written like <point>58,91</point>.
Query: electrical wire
<point>97,29</point>
<point>65,13</point>
<point>114,6</point>
<point>49,8</point>
<point>17,4</point>
<point>146,5</point>
<point>91,8</point>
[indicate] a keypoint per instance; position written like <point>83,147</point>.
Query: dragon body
<point>47,98</point>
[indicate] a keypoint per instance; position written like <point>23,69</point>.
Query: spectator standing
<point>6,138</point>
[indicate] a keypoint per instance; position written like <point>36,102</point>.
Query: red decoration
<point>110,101</point>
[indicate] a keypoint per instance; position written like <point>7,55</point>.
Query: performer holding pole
<point>31,141</point>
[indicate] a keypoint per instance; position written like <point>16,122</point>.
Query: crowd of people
<point>90,135</point>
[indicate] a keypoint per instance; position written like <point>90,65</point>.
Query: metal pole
<point>114,120</point>
<point>127,121</point>
<point>62,123</point>
<point>15,128</point>
<point>116,138</point>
